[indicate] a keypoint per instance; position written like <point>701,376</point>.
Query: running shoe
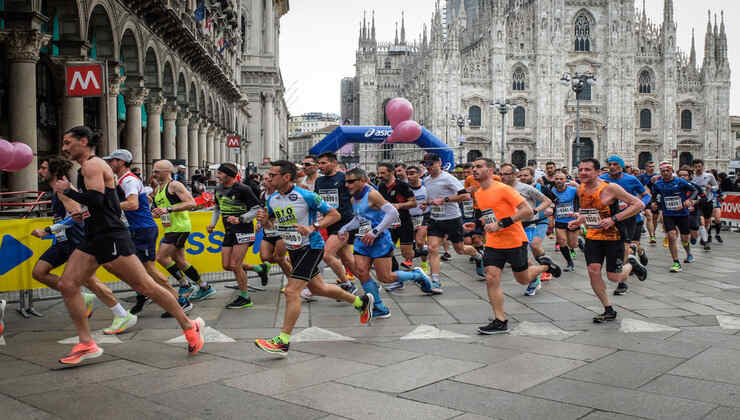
<point>719,239</point>
<point>643,257</point>
<point>425,267</point>
<point>495,327</point>
<point>581,244</point>
<point>3,304</point>
<point>184,304</point>
<point>479,270</point>
<point>307,295</point>
<point>204,293</point>
<point>273,346</point>
<point>139,306</point>
<point>707,247</point>
<point>693,241</point>
<point>264,273</point>
<point>427,285</point>
<point>532,287</point>
<point>689,259</point>
<point>240,302</point>
<point>638,269</point>
<point>676,267</point>
<point>407,265</point>
<point>89,300</point>
<point>394,287</point>
<point>570,268</point>
<point>348,287</point>
<point>552,268</point>
<point>186,291</point>
<point>82,352</point>
<point>605,317</point>
<point>380,311</point>
<point>195,336</point>
<point>621,289</point>
<point>446,256</point>
<point>366,310</point>
<point>652,240</point>
<point>545,276</point>
<point>121,324</point>
<point>665,242</point>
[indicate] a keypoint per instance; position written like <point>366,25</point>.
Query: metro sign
<point>233,142</point>
<point>84,80</point>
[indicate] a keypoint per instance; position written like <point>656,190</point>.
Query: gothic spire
<point>709,42</point>
<point>372,31</point>
<point>424,37</point>
<point>723,38</point>
<point>396,42</point>
<point>692,57</point>
<point>364,24</point>
<point>644,14</point>
<point>668,12</point>
<point>403,30</point>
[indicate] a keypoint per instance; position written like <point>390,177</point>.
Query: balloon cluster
<point>14,156</point>
<point>405,130</point>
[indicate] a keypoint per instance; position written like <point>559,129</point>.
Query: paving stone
<point>426,308</point>
<point>562,311</point>
<point>707,338</point>
<point>431,319</point>
<point>620,400</point>
<point>14,368</point>
<point>370,354</point>
<point>15,410</point>
<point>626,369</point>
<point>638,343</point>
<point>298,375</point>
<point>603,415</point>
<point>410,374</point>
<point>486,401</point>
<point>660,312</point>
<point>248,352</point>
<point>157,355</point>
<point>716,364</point>
<point>362,404</point>
<point>519,373</point>
<point>695,389</point>
<point>723,413</point>
<point>548,347</point>
<point>230,403</point>
<point>454,350</point>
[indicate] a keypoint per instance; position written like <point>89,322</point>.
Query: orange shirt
<point>471,182</point>
<point>503,200</point>
<point>591,203</point>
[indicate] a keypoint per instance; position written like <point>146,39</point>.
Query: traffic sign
<point>233,142</point>
<point>84,79</point>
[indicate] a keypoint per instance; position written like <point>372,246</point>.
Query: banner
<point>19,251</point>
<point>731,206</point>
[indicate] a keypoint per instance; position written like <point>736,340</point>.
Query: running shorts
<point>107,247</point>
<point>597,251</point>
<point>177,239</point>
<point>58,253</point>
<point>680,222</point>
<point>145,241</point>
<point>517,257</point>
<point>305,262</point>
<point>564,226</point>
<point>452,228</point>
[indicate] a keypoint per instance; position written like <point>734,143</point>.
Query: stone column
<point>209,144</point>
<point>269,26</point>
<point>23,54</point>
<point>134,100</point>
<point>110,122</point>
<point>155,103</point>
<point>193,142</point>
<point>73,112</point>
<point>181,145</point>
<point>255,30</point>
<point>170,115</point>
<point>202,140</point>
<point>268,126</point>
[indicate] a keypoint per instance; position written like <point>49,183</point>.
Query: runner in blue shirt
<point>651,210</point>
<point>566,205</point>
<point>694,215</point>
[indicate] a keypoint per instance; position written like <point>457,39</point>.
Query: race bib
<point>468,208</point>
<point>564,210</point>
<point>622,205</point>
<point>592,218</point>
<point>417,220</point>
<point>489,217</point>
<point>60,236</point>
<point>673,203</point>
<point>244,238</point>
<point>291,236</point>
<point>364,228</point>
<point>270,233</point>
<point>331,196</point>
<point>165,218</point>
<point>438,211</point>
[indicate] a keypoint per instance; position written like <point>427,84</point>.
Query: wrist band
<point>505,222</point>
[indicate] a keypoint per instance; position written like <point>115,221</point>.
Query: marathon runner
<point>694,216</point>
<point>471,213</point>
<point>630,229</point>
<point>651,210</point>
<point>294,211</point>
<point>444,191</point>
<point>311,172</point>
<point>502,210</point>
<point>272,247</point>
<point>107,242</point>
<point>541,219</point>
<point>671,192</point>
<point>400,195</point>
<point>566,206</point>
<point>238,205</point>
<point>400,172</point>
<point>419,217</point>
<point>68,233</point>
<point>709,184</point>
<point>599,211</point>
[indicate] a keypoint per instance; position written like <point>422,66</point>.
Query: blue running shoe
<point>186,291</point>
<point>204,293</point>
<point>689,259</point>
<point>381,311</point>
<point>693,241</point>
<point>533,286</point>
<point>426,284</point>
<point>393,287</point>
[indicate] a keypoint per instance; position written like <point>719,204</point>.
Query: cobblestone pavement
<point>673,353</point>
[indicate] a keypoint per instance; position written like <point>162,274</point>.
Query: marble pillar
<point>169,114</point>
<point>134,100</point>
<point>270,27</point>
<point>210,143</point>
<point>154,106</point>
<point>202,140</point>
<point>268,127</point>
<point>193,142</point>
<point>181,143</point>
<point>110,122</point>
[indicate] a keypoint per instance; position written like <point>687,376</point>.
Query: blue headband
<point>615,158</point>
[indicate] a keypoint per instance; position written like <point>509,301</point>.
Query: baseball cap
<point>120,154</point>
<point>180,166</point>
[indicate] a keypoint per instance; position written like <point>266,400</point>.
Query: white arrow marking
<point>319,334</point>
<point>210,335</point>
<point>636,326</point>
<point>2,340</point>
<point>97,336</point>
<point>728,322</point>
<point>541,329</point>
<point>428,332</point>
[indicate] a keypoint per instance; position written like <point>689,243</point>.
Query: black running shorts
<point>58,253</point>
<point>452,228</point>
<point>680,222</point>
<point>517,257</point>
<point>177,239</point>
<point>106,248</point>
<point>597,251</point>
<point>305,262</point>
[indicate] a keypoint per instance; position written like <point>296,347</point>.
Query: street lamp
<point>577,83</point>
<point>460,121</point>
<point>502,106</point>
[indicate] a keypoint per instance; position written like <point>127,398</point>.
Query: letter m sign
<point>233,141</point>
<point>84,79</point>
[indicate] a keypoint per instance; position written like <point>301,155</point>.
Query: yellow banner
<point>19,251</point>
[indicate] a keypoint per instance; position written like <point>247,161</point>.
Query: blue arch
<point>377,134</point>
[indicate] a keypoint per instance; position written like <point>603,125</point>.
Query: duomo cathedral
<point>651,100</point>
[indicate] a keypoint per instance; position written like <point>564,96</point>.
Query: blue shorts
<point>58,253</point>
<point>536,231</point>
<point>381,248</point>
<point>145,241</point>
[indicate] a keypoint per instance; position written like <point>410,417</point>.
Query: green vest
<point>178,221</point>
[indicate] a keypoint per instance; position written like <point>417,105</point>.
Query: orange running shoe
<point>195,336</point>
<point>545,276</point>
<point>366,311</point>
<point>82,352</point>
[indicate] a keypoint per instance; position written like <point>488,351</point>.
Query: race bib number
<point>166,221</point>
<point>285,216</point>
<point>85,212</point>
<point>489,217</point>
<point>60,236</point>
<point>564,210</point>
<point>673,203</point>
<point>364,228</point>
<point>417,220</point>
<point>468,209</point>
<point>270,233</point>
<point>291,236</point>
<point>438,211</point>
<point>331,196</point>
<point>592,218</point>
<point>244,238</point>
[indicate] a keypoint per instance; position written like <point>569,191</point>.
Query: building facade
<point>310,121</point>
<point>176,87</point>
<point>651,101</point>
<point>301,143</point>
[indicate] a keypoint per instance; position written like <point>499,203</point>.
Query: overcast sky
<point>319,38</point>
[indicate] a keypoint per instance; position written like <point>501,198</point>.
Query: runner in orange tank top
<point>598,211</point>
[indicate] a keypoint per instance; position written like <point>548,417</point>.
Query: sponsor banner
<point>19,251</point>
<point>731,206</point>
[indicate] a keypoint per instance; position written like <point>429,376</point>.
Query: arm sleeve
<point>62,225</point>
<point>246,195</point>
<point>216,214</point>
<point>352,225</point>
<point>250,215</point>
<point>89,198</point>
<point>391,217</point>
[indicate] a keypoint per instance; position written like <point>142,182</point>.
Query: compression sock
<point>404,276</point>
<point>718,228</point>
<point>371,287</point>
<point>687,247</point>
<point>174,271</point>
<point>285,338</point>
<point>703,233</point>
<point>244,294</point>
<point>192,274</point>
<point>566,254</point>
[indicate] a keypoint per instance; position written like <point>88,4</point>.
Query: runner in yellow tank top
<point>598,211</point>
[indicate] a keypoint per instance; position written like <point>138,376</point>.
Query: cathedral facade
<point>651,101</point>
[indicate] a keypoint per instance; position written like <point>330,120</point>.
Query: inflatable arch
<point>345,134</point>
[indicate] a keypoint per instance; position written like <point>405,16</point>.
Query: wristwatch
<point>169,209</point>
<point>614,218</point>
<point>447,199</point>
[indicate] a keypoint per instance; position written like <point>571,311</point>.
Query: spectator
<point>136,171</point>
<point>197,184</point>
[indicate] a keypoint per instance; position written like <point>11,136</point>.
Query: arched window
<point>520,117</point>
<point>685,158</point>
<point>646,119</point>
<point>387,63</point>
<point>645,82</point>
<point>585,93</point>
<point>643,159</point>
<point>474,155</point>
<point>582,33</point>
<point>518,78</point>
<point>474,116</point>
<point>686,119</point>
<point>519,158</point>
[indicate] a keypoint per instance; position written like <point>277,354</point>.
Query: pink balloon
<point>390,104</point>
<point>6,153</point>
<point>407,131</point>
<point>399,111</point>
<point>22,156</point>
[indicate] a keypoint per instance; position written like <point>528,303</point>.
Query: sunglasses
<point>307,164</point>
<point>350,181</point>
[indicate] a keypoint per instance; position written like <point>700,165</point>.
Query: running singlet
<point>646,179</point>
<point>74,233</point>
<point>417,214</point>
<point>397,192</point>
<point>497,202</point>
<point>671,195</point>
<point>707,182</point>
<point>593,210</point>
<point>566,204</point>
<point>141,217</point>
<point>332,190</point>
<point>444,185</point>
<point>235,201</point>
<point>178,221</point>
<point>298,207</point>
<point>630,184</point>
<point>533,196</point>
<point>106,218</point>
<point>370,218</point>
